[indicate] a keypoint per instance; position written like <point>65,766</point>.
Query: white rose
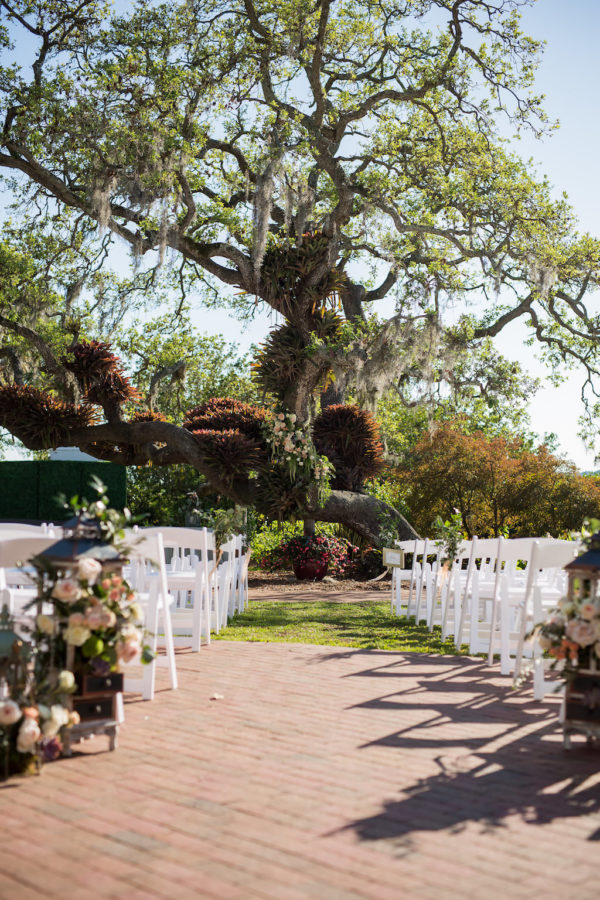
<point>89,569</point>
<point>28,736</point>
<point>135,612</point>
<point>293,417</point>
<point>59,714</point>
<point>77,635</point>
<point>46,624</point>
<point>66,680</point>
<point>67,590</point>
<point>50,728</point>
<point>582,632</point>
<point>10,712</point>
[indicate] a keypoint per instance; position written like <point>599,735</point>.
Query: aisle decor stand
<point>582,692</point>
<point>95,698</point>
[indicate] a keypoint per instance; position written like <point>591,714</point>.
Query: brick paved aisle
<point>322,773</point>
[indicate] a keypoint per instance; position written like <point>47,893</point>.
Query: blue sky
<point>569,76</point>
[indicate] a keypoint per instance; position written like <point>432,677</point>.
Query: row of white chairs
<point>491,595</point>
<point>186,587</point>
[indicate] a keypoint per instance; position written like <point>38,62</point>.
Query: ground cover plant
<point>367,624</point>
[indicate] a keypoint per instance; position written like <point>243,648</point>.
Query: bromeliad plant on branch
<point>231,143</point>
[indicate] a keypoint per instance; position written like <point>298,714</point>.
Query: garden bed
<point>270,582</point>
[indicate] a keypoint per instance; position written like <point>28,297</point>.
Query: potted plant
<point>309,556</point>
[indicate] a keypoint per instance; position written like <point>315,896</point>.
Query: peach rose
<point>67,590</point>
<point>89,569</point>
<point>582,632</point>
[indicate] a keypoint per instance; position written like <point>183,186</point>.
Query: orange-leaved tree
<point>497,483</point>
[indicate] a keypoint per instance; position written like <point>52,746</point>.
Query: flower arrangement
<point>572,635</point>
<point>87,622</point>
<point>31,714</point>
<point>292,445</point>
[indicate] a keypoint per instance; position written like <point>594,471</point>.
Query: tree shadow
<point>512,761</point>
<point>528,777</point>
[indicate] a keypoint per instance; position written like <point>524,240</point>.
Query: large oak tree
<point>315,158</point>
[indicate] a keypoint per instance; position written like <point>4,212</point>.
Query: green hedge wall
<point>28,490</point>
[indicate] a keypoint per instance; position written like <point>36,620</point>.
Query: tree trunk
<point>309,527</point>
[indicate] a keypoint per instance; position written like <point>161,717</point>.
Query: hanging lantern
<point>13,655</point>
<point>82,539</point>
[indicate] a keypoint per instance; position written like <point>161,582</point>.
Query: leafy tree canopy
<point>497,484</point>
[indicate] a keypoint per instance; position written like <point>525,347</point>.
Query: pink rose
<point>108,618</point>
<point>588,611</point>
<point>582,632</point>
<point>93,617</point>
<point>127,650</point>
<point>77,619</point>
<point>114,594</point>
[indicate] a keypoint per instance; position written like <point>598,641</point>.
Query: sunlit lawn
<point>367,624</point>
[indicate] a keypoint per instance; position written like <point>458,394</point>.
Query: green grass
<point>367,624</point>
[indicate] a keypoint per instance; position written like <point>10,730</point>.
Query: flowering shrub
<point>343,558</point>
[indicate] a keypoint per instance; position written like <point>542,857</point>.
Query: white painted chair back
<point>447,589</point>
<point>190,578</point>
<point>480,568</point>
<point>416,591</point>
<point>510,552</point>
<point>543,590</point>
<point>155,601</point>
<point>394,558</point>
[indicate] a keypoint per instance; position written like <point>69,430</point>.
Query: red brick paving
<point>322,773</point>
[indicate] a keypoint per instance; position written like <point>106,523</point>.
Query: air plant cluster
<point>99,373</point>
<point>285,271</point>
<point>281,360</point>
<point>38,418</point>
<point>230,434</point>
<point>349,437</point>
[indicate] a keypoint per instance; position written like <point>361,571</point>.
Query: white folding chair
<point>445,588</point>
<point>419,563</point>
<point>467,591</point>
<point>510,553</point>
<point>394,559</point>
<point>225,584</point>
<point>190,573</point>
<point>543,590</point>
<point>153,597</point>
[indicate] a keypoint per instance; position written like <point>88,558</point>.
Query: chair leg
<point>504,633</point>
<point>169,645</point>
